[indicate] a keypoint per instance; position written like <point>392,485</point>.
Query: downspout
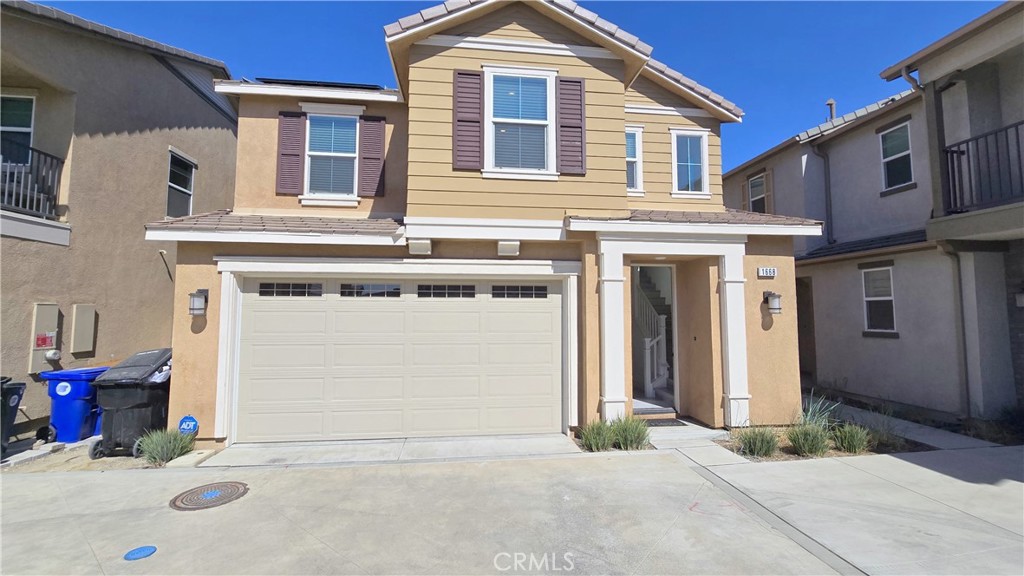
<point>829,235</point>
<point>962,332</point>
<point>914,85</point>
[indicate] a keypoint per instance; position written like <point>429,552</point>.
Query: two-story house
<point>489,248</point>
<point>889,310</point>
<point>102,131</point>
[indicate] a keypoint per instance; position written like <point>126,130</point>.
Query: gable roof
<point>844,122</point>
<point>437,16</point>
<point>54,15</point>
<point>952,39</point>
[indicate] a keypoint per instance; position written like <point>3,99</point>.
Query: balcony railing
<point>986,170</point>
<point>29,180</point>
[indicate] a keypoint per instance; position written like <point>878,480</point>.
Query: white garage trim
<point>235,269</point>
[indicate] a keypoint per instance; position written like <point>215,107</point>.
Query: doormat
<point>209,496</point>
<point>666,422</point>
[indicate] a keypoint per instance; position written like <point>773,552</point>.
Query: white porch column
<point>734,339</point>
<point>613,335</point>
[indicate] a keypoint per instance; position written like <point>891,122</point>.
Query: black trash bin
<point>13,392</point>
<point>133,396</point>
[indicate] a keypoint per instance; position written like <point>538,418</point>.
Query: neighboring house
<point>483,249</point>
<point>905,299</point>
<point>102,131</point>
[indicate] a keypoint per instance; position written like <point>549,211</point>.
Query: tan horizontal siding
<point>575,186</point>
<point>644,92</point>
<point>489,198</point>
<point>519,22</point>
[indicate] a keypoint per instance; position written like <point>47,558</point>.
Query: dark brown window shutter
<point>291,153</point>
<point>572,131</point>
<point>468,120</point>
<point>371,156</point>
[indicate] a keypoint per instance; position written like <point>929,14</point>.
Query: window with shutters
<point>757,190</point>
<point>690,164</point>
<point>331,158</point>
<point>879,304</point>
<point>634,160</point>
<point>519,116</point>
<point>179,186</point>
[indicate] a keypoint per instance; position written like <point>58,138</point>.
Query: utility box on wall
<point>83,328</point>
<point>45,319</point>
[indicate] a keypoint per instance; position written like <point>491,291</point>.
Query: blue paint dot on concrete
<point>210,494</point>
<point>140,553</point>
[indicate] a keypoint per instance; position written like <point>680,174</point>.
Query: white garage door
<point>347,359</point>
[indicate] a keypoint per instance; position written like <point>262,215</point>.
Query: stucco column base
<point>737,411</point>
<point>613,408</point>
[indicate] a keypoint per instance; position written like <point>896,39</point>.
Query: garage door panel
<point>378,387</point>
<point>286,356</point>
<point>350,367</point>
<point>361,423</point>
<point>369,355</point>
<point>444,387</point>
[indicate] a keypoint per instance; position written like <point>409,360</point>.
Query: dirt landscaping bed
<point>76,460</point>
<point>786,451</point>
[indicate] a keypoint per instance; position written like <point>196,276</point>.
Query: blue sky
<point>779,61</point>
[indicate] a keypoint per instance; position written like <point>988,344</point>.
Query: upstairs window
<point>634,159</point>
<point>16,119</point>
<point>331,155</point>
<point>758,194</point>
<point>179,186</point>
<point>690,164</point>
<point>519,123</point>
<point>896,166</point>
<point>879,306</point>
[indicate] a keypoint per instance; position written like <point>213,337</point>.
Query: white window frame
<point>638,130</point>
<point>705,193</point>
<point>309,197</point>
<point>490,171</point>
<point>881,151</point>
<point>764,191</point>
<point>891,297</point>
<point>191,181</point>
<point>32,122</point>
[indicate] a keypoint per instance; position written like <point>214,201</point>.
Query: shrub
<point>597,436</point>
<point>818,412</point>
<point>631,433</point>
<point>757,442</point>
<point>161,446</point>
<point>851,438</point>
<point>808,439</point>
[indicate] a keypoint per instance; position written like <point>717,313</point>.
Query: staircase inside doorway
<point>653,343</point>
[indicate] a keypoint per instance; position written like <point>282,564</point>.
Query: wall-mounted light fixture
<point>197,302</point>
<point>774,301</point>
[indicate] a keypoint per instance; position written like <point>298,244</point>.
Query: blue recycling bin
<point>73,410</point>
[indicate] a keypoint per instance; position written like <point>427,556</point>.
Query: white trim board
<point>483,229</point>
<point>321,92</point>
<point>397,266</point>
<point>332,109</point>
<point>628,226</point>
<point>521,46</point>
<point>667,111</point>
<point>276,238</point>
<point>14,225</point>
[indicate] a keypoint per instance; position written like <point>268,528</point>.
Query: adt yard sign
<point>188,425</point>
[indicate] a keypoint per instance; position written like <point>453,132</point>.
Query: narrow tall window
<point>331,155</point>
<point>690,164</point>
<point>16,117</point>
<point>879,309</point>
<point>758,194</point>
<point>179,186</point>
<point>634,159</point>
<point>896,166</point>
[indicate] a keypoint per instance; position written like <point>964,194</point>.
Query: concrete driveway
<point>644,513</point>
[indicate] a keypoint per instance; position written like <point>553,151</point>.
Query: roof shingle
<point>913,237</point>
<point>227,221</point>
<point>729,216</point>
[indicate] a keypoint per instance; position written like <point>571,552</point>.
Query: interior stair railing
<point>652,352</point>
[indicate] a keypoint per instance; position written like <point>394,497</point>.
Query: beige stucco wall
<point>119,110</point>
<point>657,149</point>
<point>256,178</point>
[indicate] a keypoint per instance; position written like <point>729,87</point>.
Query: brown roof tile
<point>729,216</point>
<point>227,221</point>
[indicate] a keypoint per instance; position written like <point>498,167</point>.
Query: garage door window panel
<point>371,290</point>
<point>290,289</point>
<point>502,292</point>
<point>446,291</point>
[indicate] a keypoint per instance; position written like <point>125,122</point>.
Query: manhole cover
<point>209,496</point>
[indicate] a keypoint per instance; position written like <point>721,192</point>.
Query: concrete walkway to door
<point>396,450</point>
